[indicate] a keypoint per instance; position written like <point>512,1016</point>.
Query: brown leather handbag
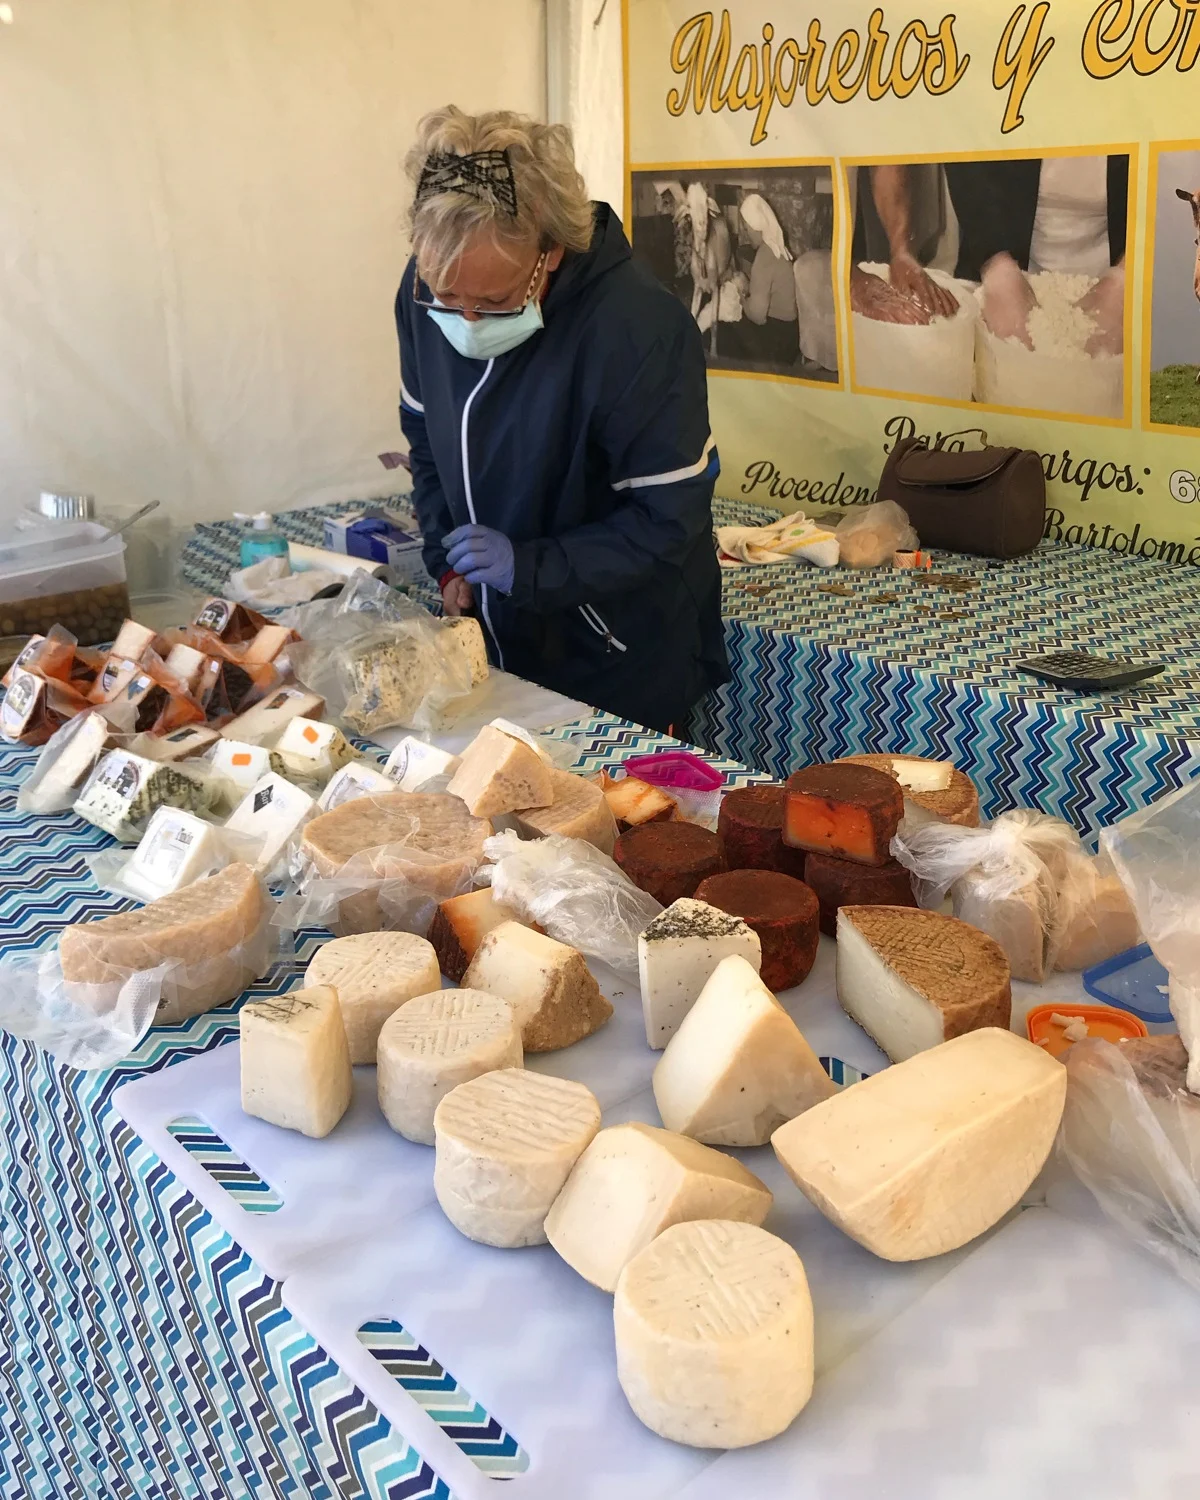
<point>989,501</point>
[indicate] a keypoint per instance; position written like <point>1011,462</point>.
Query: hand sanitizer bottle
<point>261,540</point>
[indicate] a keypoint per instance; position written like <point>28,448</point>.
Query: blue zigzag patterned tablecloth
<point>143,1355</point>
<point>818,675</point>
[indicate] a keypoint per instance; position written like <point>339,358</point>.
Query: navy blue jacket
<point>588,446</point>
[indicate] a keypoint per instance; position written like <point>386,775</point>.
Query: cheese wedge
<point>633,802</point>
<point>80,744</point>
<point>925,1156</point>
<point>271,813</point>
<point>578,811</point>
<point>188,664</point>
<point>426,839</point>
<point>913,979</point>
<point>714,1331</point>
<point>311,752</point>
<point>633,1182</point>
<point>552,992</point>
<point>180,744</point>
<point>500,774</point>
<point>506,1143</point>
<point>266,721</point>
<point>1014,921</point>
<point>412,763</point>
<point>461,924</point>
<point>358,779</point>
<point>268,644</point>
<point>132,639</point>
<point>295,1062</point>
<point>433,1044</point>
<point>934,790</point>
<point>176,849</point>
<point>677,955</point>
<point>125,790</point>
<point>738,1067</point>
<point>466,635</point>
<point>373,974</point>
<point>209,927</point>
<point>242,766</point>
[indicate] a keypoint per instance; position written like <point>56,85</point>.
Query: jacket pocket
<point>598,624</point>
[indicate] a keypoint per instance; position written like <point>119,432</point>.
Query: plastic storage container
<point>64,573</point>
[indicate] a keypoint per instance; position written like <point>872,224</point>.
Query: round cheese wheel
<point>374,973</point>
<point>714,1333</point>
<point>852,812</point>
<point>840,882</point>
<point>751,828</point>
<point>669,860</point>
<point>506,1143</point>
<point>781,910</point>
<point>433,1044</point>
<point>957,803</point>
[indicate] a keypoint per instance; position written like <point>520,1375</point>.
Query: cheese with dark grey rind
<point>669,860</point>
<point>125,790</point>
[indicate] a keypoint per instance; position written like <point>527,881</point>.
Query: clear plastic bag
<point>81,1026</point>
<point>1156,854</point>
<point>576,894</point>
<point>65,763</point>
<point>870,534</point>
<point>379,660</point>
<point>109,868</point>
<point>1131,1133</point>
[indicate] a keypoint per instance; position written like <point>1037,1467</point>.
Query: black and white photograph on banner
<point>750,254</point>
<point>1174,332</point>
<point>999,280</point>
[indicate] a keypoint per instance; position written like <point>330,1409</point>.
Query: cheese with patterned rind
<point>913,979</point>
<point>714,1333</point>
<point>841,882</point>
<point>578,811</point>
<point>374,974</point>
<point>781,910</point>
<point>633,1182</point>
<point>751,827</point>
<point>934,790</point>
<point>433,1044</point>
<point>499,774</point>
<point>678,953</point>
<point>739,1066</point>
<point>926,1155</point>
<point>210,927</point>
<point>553,993</point>
<point>295,1063</point>
<point>669,860</point>
<point>506,1143</point>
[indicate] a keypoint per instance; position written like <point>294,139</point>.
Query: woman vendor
<point>770,300</point>
<point>553,396</point>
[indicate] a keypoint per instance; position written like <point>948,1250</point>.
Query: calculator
<point>1089,674</point>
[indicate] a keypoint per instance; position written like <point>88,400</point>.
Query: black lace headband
<point>487,175</point>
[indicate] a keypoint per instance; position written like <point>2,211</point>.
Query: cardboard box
<point>373,535</point>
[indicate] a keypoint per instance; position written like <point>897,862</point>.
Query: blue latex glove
<point>481,556</point>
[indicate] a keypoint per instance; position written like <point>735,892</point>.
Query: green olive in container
<point>71,574</point>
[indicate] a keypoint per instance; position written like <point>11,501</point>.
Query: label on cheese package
<point>412,763</point>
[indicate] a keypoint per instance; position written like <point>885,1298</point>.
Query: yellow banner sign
<point>974,227</point>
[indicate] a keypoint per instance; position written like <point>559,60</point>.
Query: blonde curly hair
<point>553,207</point>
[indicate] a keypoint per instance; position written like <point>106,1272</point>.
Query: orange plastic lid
<point>1103,1021</point>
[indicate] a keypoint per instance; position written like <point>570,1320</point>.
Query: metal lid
<point>66,507</point>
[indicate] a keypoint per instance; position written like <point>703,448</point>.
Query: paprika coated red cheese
<point>751,828</point>
<point>781,910</point>
<point>840,882</point>
<point>851,812</point>
<point>669,860</point>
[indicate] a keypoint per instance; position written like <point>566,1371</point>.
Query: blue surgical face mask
<point>488,337</point>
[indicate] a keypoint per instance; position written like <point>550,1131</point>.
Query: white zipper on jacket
<point>597,623</point>
<point>466,466</point>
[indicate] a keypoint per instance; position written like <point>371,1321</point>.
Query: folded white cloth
<point>790,539</point>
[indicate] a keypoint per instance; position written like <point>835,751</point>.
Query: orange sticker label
<point>310,734</point>
<point>241,758</point>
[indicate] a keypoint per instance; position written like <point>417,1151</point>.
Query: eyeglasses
<point>489,312</point>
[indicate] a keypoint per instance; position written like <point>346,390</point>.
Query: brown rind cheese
<point>461,924</point>
<point>751,828</point>
<point>840,882</point>
<point>851,812</point>
<point>669,860</point>
<point>781,910</point>
<point>958,803</point>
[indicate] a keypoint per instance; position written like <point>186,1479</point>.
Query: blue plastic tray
<point>1131,981</point>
